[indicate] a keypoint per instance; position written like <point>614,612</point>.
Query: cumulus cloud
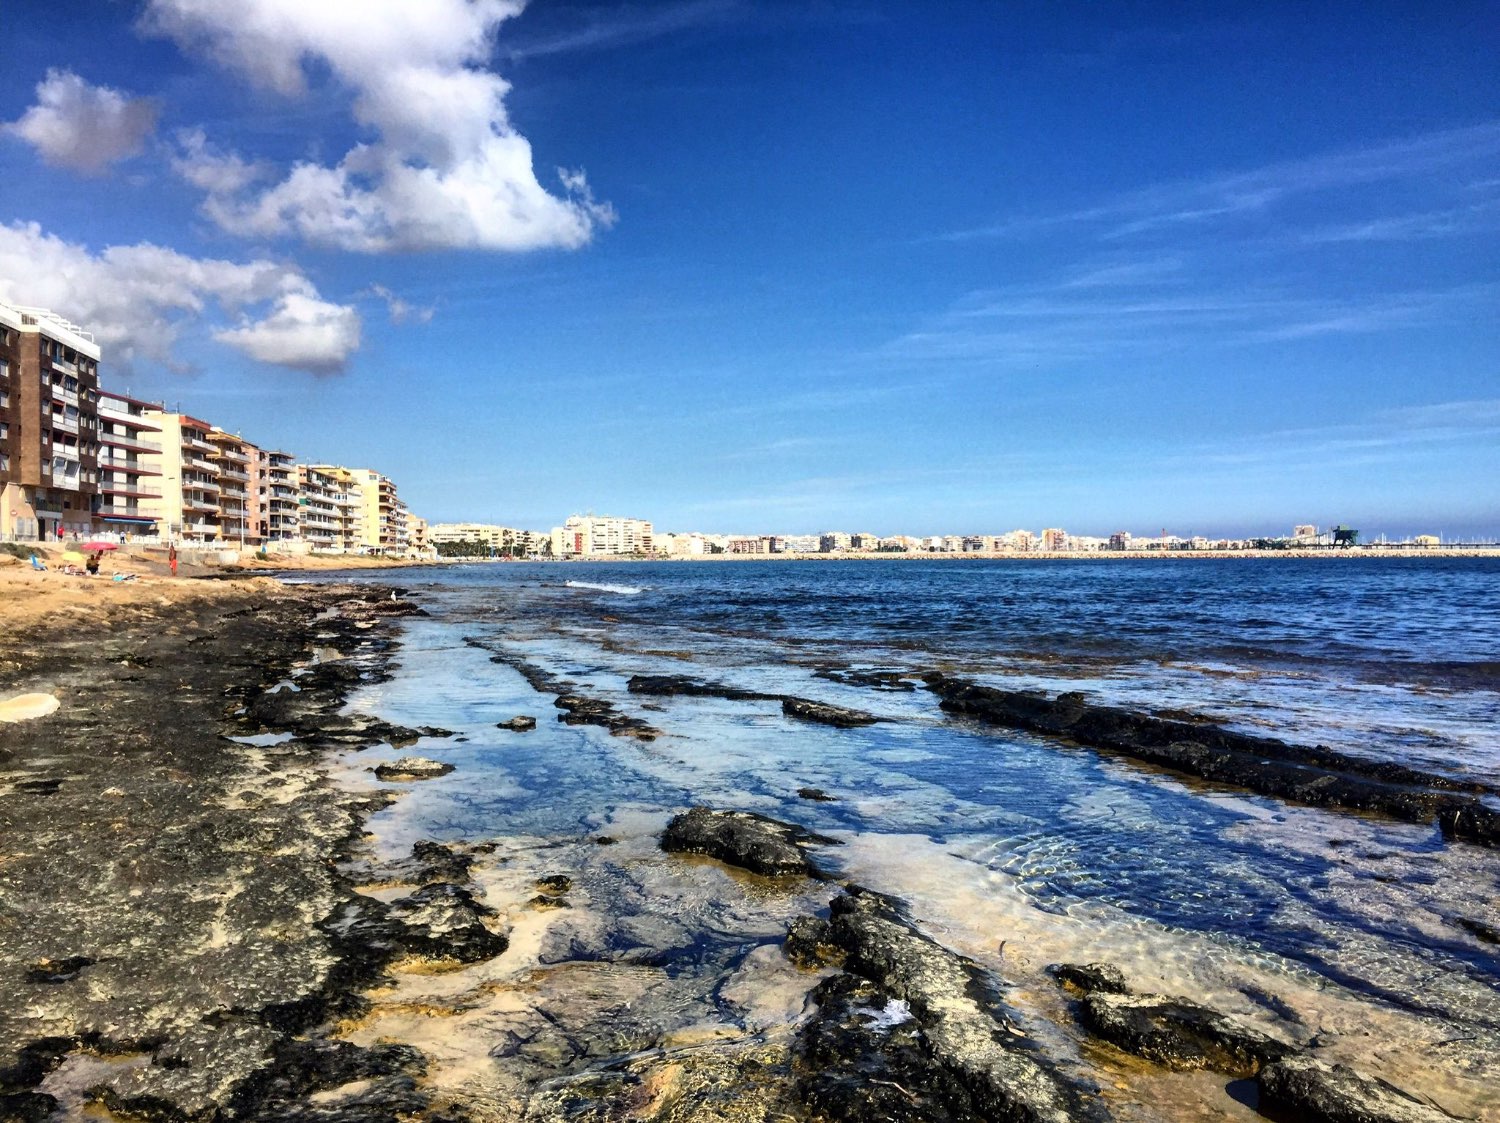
<point>302,332</point>
<point>84,127</point>
<point>446,169</point>
<point>138,299</point>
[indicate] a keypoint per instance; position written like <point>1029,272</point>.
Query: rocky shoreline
<point>178,924</point>
<point>194,925</point>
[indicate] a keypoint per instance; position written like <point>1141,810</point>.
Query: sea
<point>1369,940</point>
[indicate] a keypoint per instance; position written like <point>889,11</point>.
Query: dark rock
<point>1486,932</point>
<point>1179,1033</point>
<point>554,883</point>
<point>666,686</point>
<point>817,795</point>
<point>914,1017</point>
<point>27,1107</point>
<point>1468,820</point>
<point>824,714</point>
<point>58,970</point>
<point>521,723</point>
<point>744,839</point>
<point>1086,978</point>
<point>809,944</point>
<point>580,710</point>
<point>889,681</point>
<point>445,922</point>
<point>545,901</point>
<point>605,840</point>
<point>411,768</point>
<point>1302,1090</point>
<point>1313,775</point>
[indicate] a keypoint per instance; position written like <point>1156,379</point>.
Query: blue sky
<point>787,267</point>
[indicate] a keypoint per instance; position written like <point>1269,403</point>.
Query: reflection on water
<point>1019,851</point>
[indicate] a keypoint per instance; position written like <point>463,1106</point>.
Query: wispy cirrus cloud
<point>1218,198</point>
<point>626,25</point>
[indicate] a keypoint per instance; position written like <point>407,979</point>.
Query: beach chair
<point>37,563</point>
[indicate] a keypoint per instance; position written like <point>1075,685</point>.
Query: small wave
<point>623,590</point>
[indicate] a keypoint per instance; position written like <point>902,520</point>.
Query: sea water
<point>1356,934</point>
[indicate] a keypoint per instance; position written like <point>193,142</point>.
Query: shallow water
<point>1017,850</point>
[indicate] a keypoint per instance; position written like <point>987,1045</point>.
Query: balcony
<point>230,492</point>
<point>130,442</point>
<point>234,454</point>
<point>134,491</point>
<point>193,444</point>
<point>63,424</point>
<point>233,474</point>
<point>122,511</point>
<point>120,464</point>
<point>65,366</point>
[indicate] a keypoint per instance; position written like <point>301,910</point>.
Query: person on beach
<point>172,558</point>
<point>92,565</point>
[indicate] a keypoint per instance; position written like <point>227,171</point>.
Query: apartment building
<point>127,480</point>
<point>321,497</point>
<point>189,507</point>
<point>234,460</point>
<point>49,388</point>
<point>598,535</point>
<point>278,497</point>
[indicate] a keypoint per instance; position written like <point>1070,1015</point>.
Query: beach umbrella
<point>99,547</point>
<point>73,556</point>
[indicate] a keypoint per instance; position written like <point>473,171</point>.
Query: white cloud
<point>217,173</point>
<point>302,332</point>
<point>138,299</point>
<point>84,127</point>
<point>403,311</point>
<point>446,169</point>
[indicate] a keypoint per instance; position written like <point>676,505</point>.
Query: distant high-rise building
<point>1054,539</point>
<point>602,535</point>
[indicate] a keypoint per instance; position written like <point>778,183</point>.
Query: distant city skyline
<point>740,265</point>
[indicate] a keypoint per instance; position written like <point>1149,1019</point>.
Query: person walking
<point>172,558</point>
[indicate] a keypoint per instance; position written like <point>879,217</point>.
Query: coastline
<point>210,931</point>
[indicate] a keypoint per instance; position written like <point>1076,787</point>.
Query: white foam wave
<point>623,590</point>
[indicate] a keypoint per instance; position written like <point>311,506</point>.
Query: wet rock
<point>412,768</point>
<point>27,1107</point>
<point>1468,820</point>
<point>1303,1090</point>
<point>544,902</point>
<point>824,714</point>
<point>809,944</point>
<point>58,970</point>
<point>580,710</point>
<point>195,1075</point>
<point>958,1056</point>
<point>1179,1033</point>
<point>521,723</point>
<point>1086,978</point>
<point>1313,775</point>
<point>428,863</point>
<point>554,883</point>
<point>890,681</point>
<point>1486,932</point>
<point>666,686</point>
<point>445,922</point>
<point>816,795</point>
<point>742,838</point>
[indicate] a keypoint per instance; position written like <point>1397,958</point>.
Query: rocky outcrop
<point>521,723</point>
<point>579,709</point>
<point>411,768</point>
<point>1179,1033</point>
<point>791,705</point>
<point>1087,978</point>
<point>1312,775</point>
<point>913,1031</point>
<point>824,714</point>
<point>746,840</point>
<point>1307,1091</point>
